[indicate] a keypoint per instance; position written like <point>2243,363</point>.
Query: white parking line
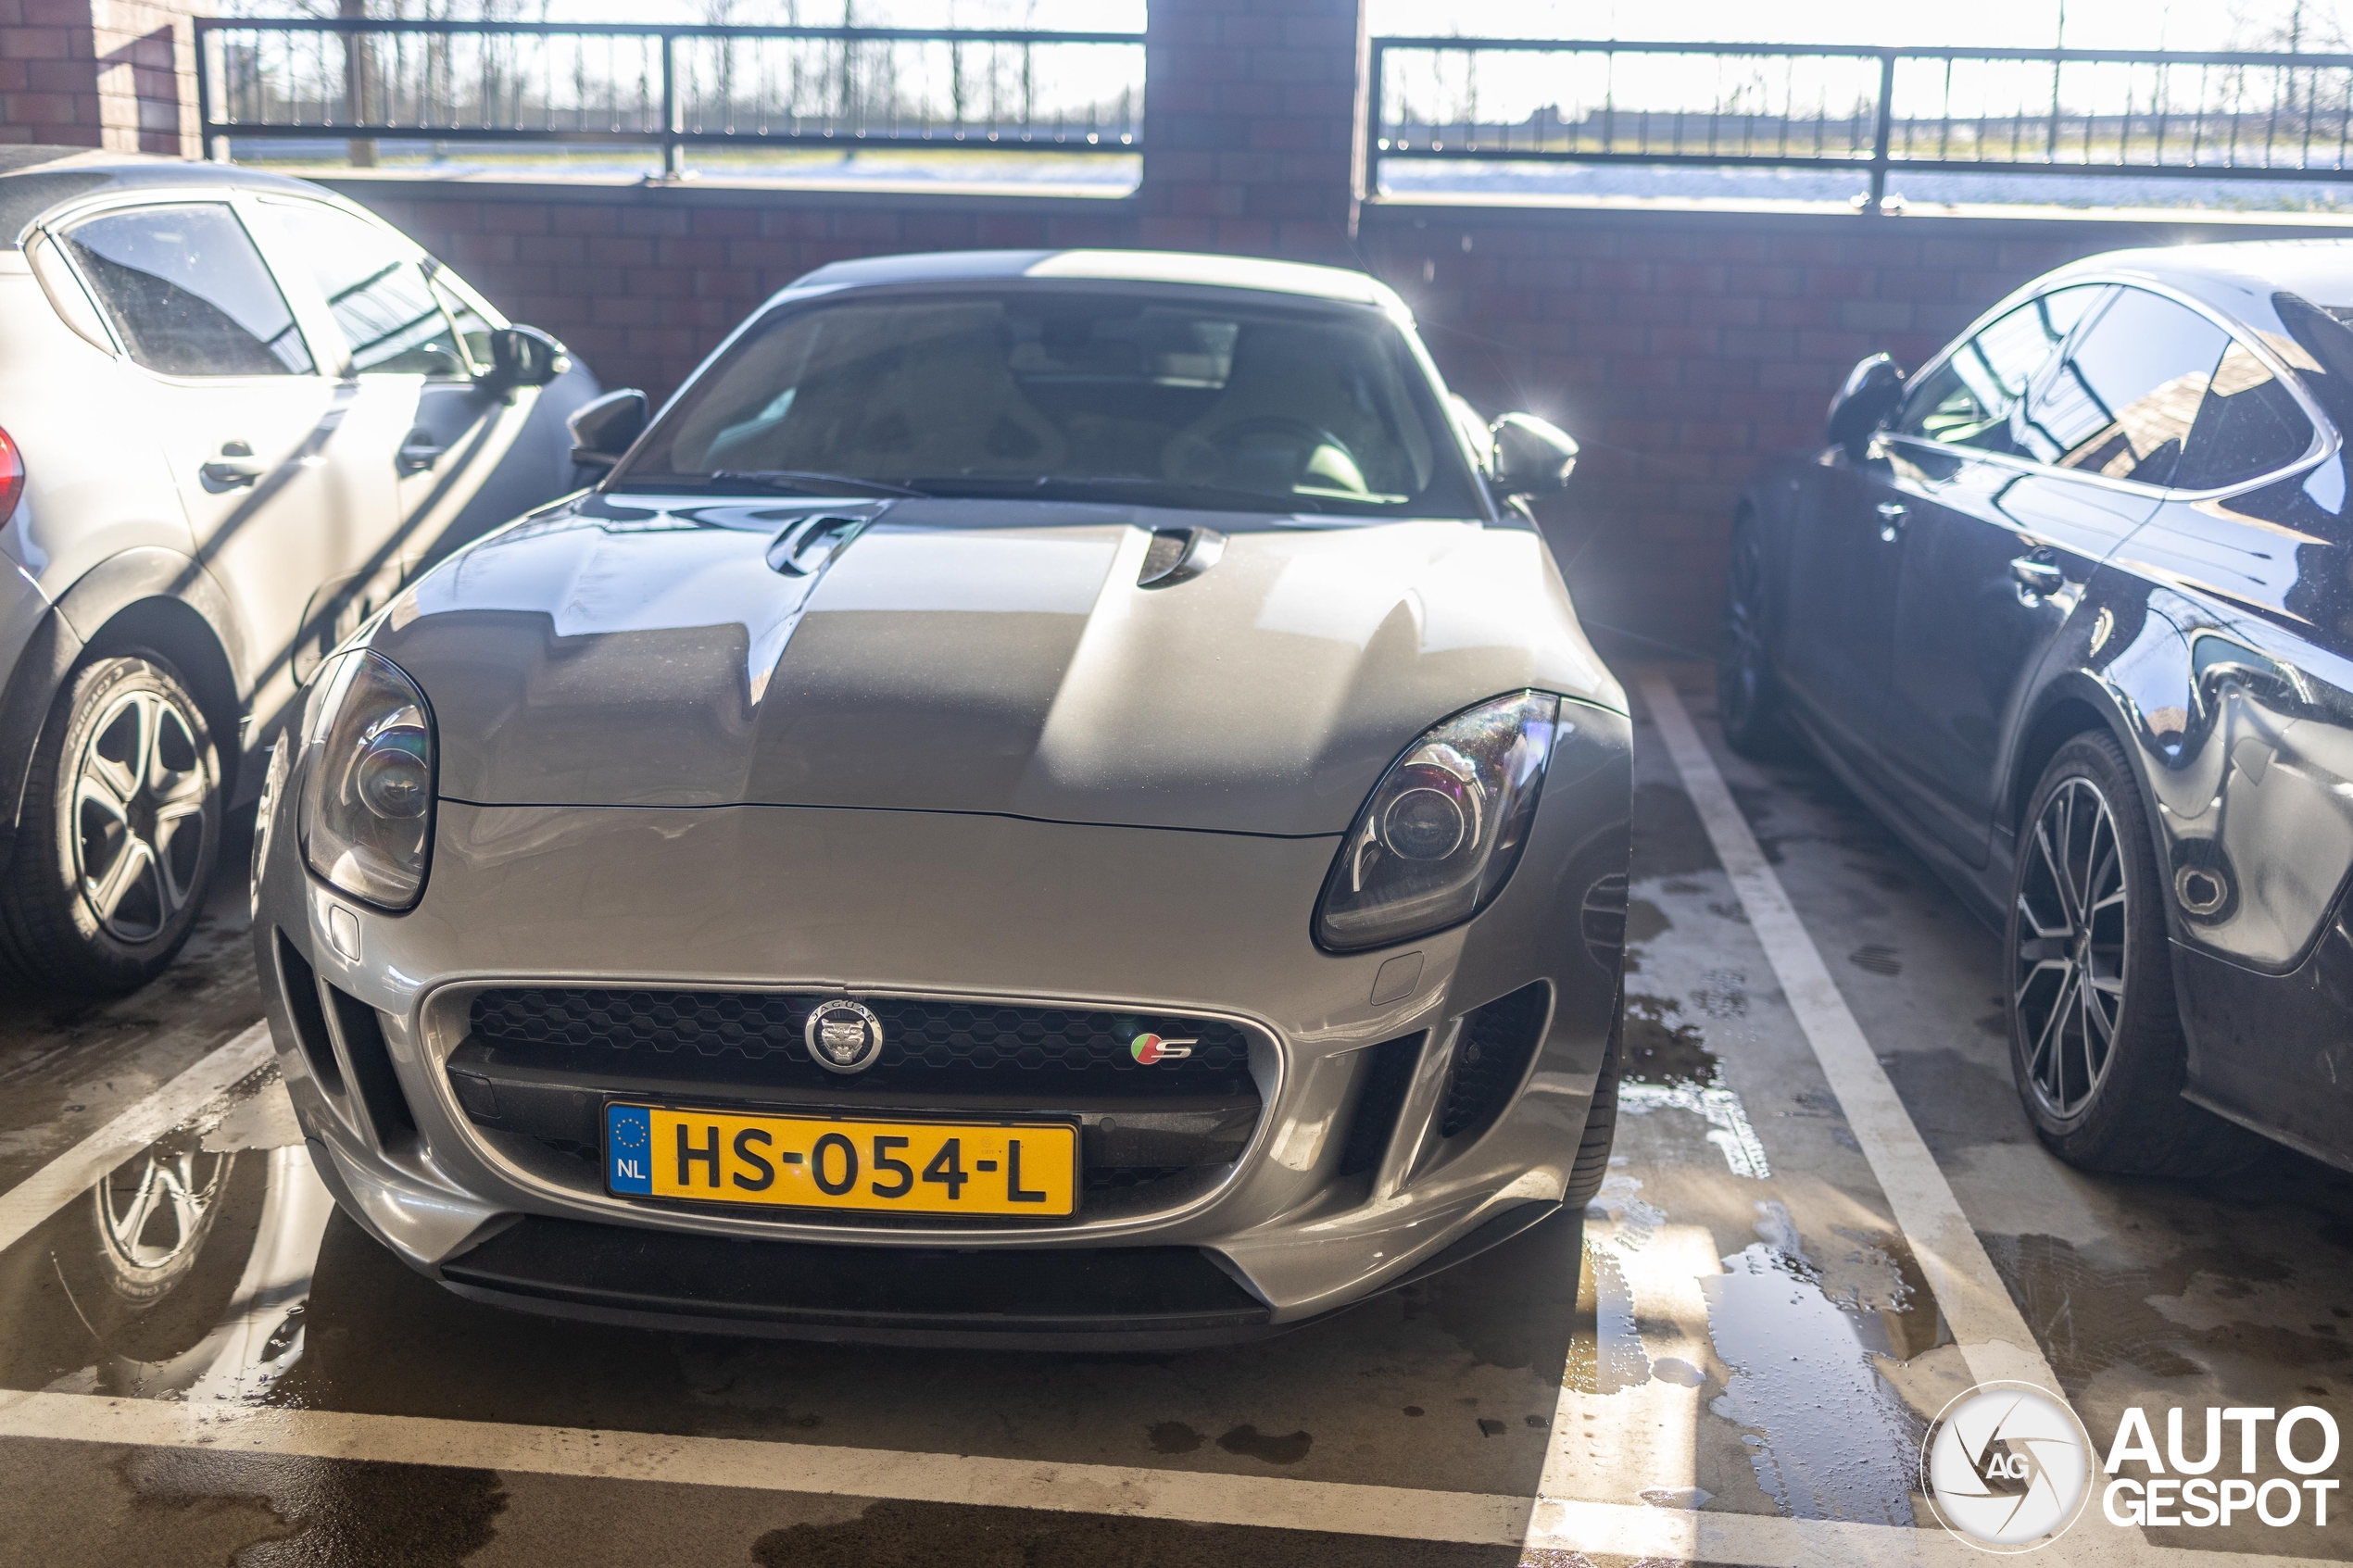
<point>1991,1331</point>
<point>968,1480</point>
<point>65,1178</point>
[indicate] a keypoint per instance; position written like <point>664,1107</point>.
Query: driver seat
<point>1281,374</point>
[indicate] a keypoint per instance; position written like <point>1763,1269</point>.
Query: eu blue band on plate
<point>629,1148</point>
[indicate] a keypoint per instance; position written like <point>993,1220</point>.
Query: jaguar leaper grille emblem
<point>844,1036</point>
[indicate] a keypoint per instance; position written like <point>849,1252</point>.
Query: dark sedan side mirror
<point>1532,457</point>
<point>1873,389</point>
<point>603,429</point>
<point>524,357</point>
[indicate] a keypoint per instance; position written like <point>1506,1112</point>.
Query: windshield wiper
<point>789,482</point>
<point>1133,488</point>
<point>809,482</point>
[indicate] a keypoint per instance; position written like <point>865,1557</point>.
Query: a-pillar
<point>1254,126</point>
<point>118,75</point>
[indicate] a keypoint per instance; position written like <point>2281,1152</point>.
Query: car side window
<point>187,292</point>
<point>1971,399</point>
<point>2122,401</point>
<point>2249,425</point>
<point>473,329</point>
<point>381,302</point>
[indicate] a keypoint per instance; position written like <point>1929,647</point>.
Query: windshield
<point>1064,394</point>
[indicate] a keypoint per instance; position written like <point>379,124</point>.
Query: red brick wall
<point>99,73</point>
<point>1679,348</point>
<point>1252,124</point>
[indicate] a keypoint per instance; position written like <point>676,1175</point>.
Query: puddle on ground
<point>183,1273</point>
<point>330,1514</point>
<point>1611,1359</point>
<point>1669,1066</point>
<point>1827,1438</point>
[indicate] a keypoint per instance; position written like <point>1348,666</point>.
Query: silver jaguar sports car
<point>1047,798</point>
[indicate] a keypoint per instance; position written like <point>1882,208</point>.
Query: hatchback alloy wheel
<point>140,787</point>
<point>2074,915</point>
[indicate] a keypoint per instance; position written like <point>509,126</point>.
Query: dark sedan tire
<point>120,833</point>
<point>2095,1037</point>
<point>1748,703</point>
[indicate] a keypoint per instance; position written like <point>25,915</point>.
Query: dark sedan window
<point>187,291</point>
<point>1971,398</point>
<point>2249,425</point>
<point>2123,402</point>
<point>1056,392</point>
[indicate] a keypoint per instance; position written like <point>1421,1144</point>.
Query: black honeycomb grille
<point>1498,1042</point>
<point>923,1041</point>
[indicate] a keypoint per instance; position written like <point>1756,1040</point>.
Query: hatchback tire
<point>121,829</point>
<point>2096,1039</point>
<point>1748,702</point>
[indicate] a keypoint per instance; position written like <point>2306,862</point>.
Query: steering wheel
<point>1252,449</point>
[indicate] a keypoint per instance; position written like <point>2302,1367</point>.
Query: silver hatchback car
<point>236,413</point>
<point>1051,797</point>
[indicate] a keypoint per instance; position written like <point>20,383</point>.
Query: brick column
<point>1253,127</point>
<point>120,74</point>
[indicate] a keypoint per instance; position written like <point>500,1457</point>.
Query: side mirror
<point>603,429</point>
<point>1873,389</point>
<point>1532,457</point>
<point>524,357</point>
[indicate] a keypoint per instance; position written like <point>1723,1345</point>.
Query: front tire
<point>121,829</point>
<point>1748,702</point>
<point>2095,1038</point>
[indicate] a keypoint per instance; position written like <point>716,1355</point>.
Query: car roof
<point>1254,273</point>
<point>2236,276</point>
<point>34,178</point>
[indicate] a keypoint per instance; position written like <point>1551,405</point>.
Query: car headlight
<point>366,822</point>
<point>1441,833</point>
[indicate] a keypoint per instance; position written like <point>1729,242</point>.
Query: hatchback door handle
<point>419,452</point>
<point>2036,577</point>
<point>1891,520</point>
<point>234,467</point>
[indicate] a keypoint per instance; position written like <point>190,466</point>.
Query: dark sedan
<point>2071,607</point>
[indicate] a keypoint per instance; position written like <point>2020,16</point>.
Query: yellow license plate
<point>829,1162</point>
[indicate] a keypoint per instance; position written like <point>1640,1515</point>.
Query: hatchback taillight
<point>11,475</point>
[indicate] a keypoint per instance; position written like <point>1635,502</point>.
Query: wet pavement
<point>1741,1336</point>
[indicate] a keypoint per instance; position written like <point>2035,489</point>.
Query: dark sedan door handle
<point>2037,577</point>
<point>419,452</point>
<point>1891,520</point>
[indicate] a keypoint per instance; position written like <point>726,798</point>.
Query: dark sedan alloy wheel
<point>2095,1040</point>
<point>2073,911</point>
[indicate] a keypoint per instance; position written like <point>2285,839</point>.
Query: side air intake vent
<point>1499,1040</point>
<point>363,1043</point>
<point>309,1019</point>
<point>1389,1072</point>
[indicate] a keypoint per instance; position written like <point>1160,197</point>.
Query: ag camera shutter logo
<point>2007,1467</point>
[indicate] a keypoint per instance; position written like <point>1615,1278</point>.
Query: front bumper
<point>1319,1209</point>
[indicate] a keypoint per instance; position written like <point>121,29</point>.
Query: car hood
<point>971,656</point>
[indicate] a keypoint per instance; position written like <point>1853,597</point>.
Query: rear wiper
<point>1137,489</point>
<point>809,482</point>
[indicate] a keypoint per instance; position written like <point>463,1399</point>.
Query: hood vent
<point>803,549</point>
<point>1180,554</point>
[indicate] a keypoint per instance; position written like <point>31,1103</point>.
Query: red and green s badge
<point>1149,1049</point>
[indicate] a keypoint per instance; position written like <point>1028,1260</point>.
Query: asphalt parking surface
<point>1740,1354</point>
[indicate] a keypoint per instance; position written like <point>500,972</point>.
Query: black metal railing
<point>2207,116</point>
<point>671,87</point>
